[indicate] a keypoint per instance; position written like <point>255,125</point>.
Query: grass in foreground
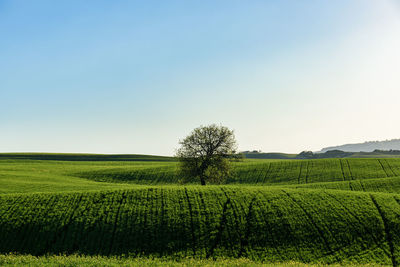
<point>96,261</point>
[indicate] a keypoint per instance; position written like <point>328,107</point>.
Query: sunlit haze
<point>137,76</point>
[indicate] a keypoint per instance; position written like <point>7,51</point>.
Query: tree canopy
<point>204,154</point>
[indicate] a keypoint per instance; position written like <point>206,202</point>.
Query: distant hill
<point>371,146</point>
<point>326,155</point>
<point>261,155</point>
<point>84,157</point>
<point>342,154</point>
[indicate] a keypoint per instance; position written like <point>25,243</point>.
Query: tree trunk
<point>203,181</point>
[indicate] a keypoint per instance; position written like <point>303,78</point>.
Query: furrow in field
<point>383,168</point>
<point>350,171</point>
<point>267,172</point>
<point>233,224</point>
<point>390,168</point>
<point>221,227</point>
<point>311,220</point>
<point>116,220</point>
<point>298,177</point>
<point>387,231</point>
<point>377,242</point>
<point>191,222</point>
<point>268,212</point>
<point>341,167</point>
<point>244,242</point>
<point>59,240</point>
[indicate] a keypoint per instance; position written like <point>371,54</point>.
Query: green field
<point>64,172</point>
<point>96,261</point>
<point>133,209</point>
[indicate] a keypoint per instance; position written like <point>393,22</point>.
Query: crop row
<point>258,223</point>
<point>312,171</point>
<point>386,185</point>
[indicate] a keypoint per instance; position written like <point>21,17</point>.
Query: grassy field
<point>387,185</point>
<point>28,176</point>
<point>343,211</point>
<point>96,261</point>
<point>50,174</point>
<point>178,222</point>
<point>263,172</point>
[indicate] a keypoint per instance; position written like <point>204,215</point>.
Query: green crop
<point>131,210</point>
<point>26,175</point>
<point>261,224</point>
<point>265,172</point>
<point>388,185</point>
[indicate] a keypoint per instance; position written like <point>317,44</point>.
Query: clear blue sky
<point>136,76</point>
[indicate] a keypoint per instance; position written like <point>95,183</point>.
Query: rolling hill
<point>257,223</point>
<point>370,146</point>
<point>322,211</point>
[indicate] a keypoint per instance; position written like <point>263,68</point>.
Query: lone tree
<point>204,154</point>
